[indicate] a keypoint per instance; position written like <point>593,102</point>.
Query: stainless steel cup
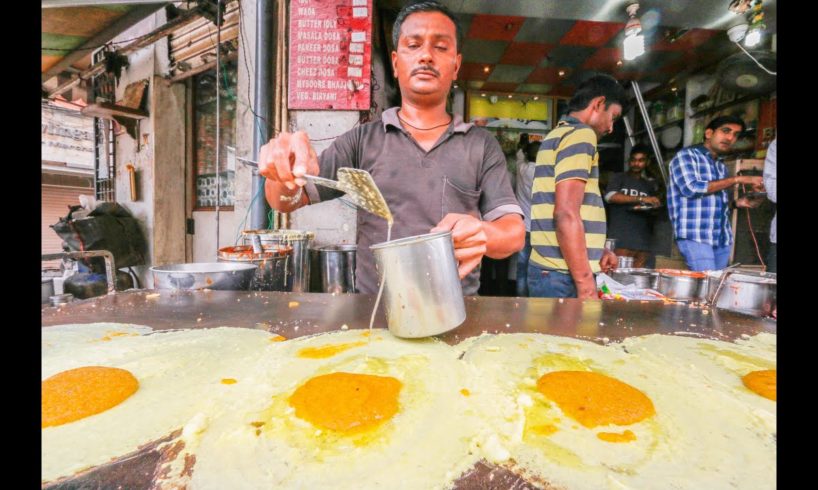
<point>422,293</point>
<point>338,268</point>
<point>625,262</point>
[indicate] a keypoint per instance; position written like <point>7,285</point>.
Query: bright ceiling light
<point>634,44</point>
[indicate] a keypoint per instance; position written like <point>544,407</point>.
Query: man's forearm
<point>281,199</point>
<point>620,198</point>
<point>571,237</point>
<point>720,185</point>
<point>504,236</point>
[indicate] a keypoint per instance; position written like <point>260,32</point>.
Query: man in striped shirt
<point>698,198</point>
<point>567,212</point>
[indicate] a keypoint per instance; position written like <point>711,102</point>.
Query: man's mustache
<point>426,69</point>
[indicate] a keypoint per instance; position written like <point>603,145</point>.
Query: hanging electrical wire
<point>219,20</point>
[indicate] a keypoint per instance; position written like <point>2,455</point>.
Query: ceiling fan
<point>747,72</point>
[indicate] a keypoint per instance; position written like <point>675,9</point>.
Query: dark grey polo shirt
<point>464,172</point>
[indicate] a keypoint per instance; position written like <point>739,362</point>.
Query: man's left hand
<point>608,262</point>
<point>469,240</point>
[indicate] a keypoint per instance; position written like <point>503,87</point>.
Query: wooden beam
<point>108,111</point>
<point>89,3</point>
<point>183,19</point>
<point>110,32</point>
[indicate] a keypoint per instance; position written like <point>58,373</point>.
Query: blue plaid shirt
<point>696,215</point>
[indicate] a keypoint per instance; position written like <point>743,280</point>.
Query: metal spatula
<point>357,184</point>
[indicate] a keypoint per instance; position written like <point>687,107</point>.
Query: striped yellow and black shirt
<point>567,152</point>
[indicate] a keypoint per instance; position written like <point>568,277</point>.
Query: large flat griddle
<point>298,314</point>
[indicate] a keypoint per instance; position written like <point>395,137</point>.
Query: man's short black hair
<point>720,121</point>
<point>595,86</point>
<point>425,6</point>
<point>640,149</point>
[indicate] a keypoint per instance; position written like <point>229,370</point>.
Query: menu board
<point>330,54</point>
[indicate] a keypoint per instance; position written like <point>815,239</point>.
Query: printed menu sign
<point>330,54</point>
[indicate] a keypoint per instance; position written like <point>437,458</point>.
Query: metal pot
<point>750,292</point>
<point>272,264</point>
<point>641,278</point>
<point>422,292</point>
<point>680,285</point>
<point>298,267</point>
<point>218,275</point>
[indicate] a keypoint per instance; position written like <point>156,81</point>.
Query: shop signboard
<point>330,54</point>
<point>67,137</point>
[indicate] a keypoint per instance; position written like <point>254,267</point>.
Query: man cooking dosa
<point>436,172</point>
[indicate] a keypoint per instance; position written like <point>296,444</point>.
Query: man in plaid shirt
<point>698,198</point>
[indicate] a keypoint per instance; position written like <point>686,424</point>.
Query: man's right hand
<point>652,200</point>
<point>756,181</point>
<point>286,158</point>
<point>586,288</point>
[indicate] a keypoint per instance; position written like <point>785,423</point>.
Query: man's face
<point>426,60</point>
<point>637,163</point>
<point>602,118</point>
<point>721,139</point>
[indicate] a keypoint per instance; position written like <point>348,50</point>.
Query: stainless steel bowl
<point>680,285</point>
<point>206,275</point>
<point>750,292</point>
<point>642,278</point>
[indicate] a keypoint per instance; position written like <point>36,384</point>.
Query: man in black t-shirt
<point>630,196</point>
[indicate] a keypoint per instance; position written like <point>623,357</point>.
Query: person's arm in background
<point>571,234</point>
<point>684,172</point>
<point>614,196</point>
<point>769,172</point>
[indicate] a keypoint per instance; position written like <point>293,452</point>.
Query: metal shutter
<point>55,202</point>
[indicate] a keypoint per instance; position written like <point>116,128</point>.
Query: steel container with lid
<point>750,292</point>
<point>681,285</point>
